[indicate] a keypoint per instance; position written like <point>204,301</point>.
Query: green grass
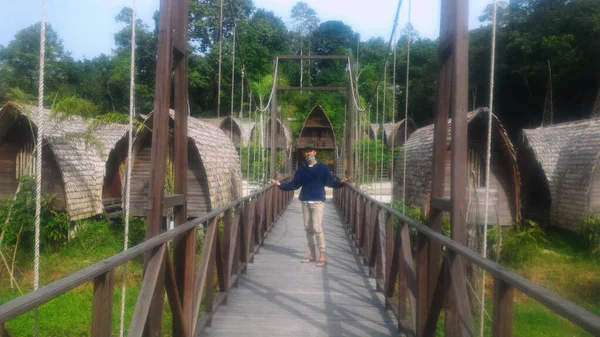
<point>563,267</point>
<point>71,313</point>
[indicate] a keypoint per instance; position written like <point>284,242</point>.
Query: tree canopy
<point>531,35</point>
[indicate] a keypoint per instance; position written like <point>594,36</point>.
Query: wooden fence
<point>407,280</point>
<point>246,222</point>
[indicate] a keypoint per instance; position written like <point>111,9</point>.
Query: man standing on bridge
<point>312,176</point>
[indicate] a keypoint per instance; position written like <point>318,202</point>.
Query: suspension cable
<point>406,109</point>
<point>220,61</point>
<point>129,162</point>
<point>383,135</point>
<point>38,173</point>
<point>487,166</point>
<point>389,48</point>
<point>232,84</point>
<point>393,117</point>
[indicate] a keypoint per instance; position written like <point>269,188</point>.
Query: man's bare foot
<point>307,260</point>
<point>321,263</point>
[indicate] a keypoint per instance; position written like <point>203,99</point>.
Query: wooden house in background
<point>394,132</point>
<point>561,179</point>
<point>504,202</point>
<point>318,130</point>
<point>214,175</point>
<point>237,130</point>
<point>73,164</point>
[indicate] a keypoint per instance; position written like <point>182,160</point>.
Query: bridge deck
<point>279,296</point>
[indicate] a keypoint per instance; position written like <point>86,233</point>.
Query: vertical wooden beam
<point>428,252</point>
<point>274,121</point>
<point>504,296</point>
<point>162,102</point>
<point>184,249</point>
<point>102,305</point>
<point>459,322</point>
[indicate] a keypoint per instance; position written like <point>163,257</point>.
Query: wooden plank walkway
<point>279,296</point>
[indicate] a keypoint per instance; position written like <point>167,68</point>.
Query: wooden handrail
<point>561,306</point>
<point>44,294</point>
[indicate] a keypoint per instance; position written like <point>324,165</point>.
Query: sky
<point>87,27</point>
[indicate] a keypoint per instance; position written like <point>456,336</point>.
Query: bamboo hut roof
<point>212,120</point>
<point>568,154</point>
<point>419,156</point>
<point>287,132</point>
<point>390,128</point>
<point>374,129</point>
<point>316,109</point>
<point>220,160</point>
<point>245,127</point>
<point>81,159</point>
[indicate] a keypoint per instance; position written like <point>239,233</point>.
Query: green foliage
<point>137,230</point>
<point>20,96</point>
<point>590,232</point>
<point>73,105</point>
<point>21,220</point>
<point>373,150</point>
<point>520,243</point>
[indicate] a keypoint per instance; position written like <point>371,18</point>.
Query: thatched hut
<point>395,131</point>
<point>237,130</point>
<point>214,175</point>
<point>217,163</point>
<point>559,166</point>
<point>73,163</point>
<point>504,177</point>
<point>318,130</point>
<point>372,131</point>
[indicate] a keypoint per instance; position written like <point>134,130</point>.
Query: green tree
<point>20,62</point>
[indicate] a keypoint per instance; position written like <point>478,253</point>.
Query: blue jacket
<point>313,181</point>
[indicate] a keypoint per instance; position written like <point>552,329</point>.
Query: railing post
<point>226,247</point>
<point>102,305</point>
<point>504,296</point>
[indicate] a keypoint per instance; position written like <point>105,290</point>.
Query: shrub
<point>520,243</point>
<point>590,232</point>
<point>21,219</point>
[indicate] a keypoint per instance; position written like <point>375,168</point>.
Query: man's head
<point>309,152</point>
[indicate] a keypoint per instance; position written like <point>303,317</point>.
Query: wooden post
<point>504,296</point>
<point>158,157</point>
<point>102,305</point>
<point>459,322</point>
<point>428,252</point>
<point>184,250</point>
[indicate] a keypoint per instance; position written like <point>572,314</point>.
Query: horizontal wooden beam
<point>442,204</point>
<point>312,88</point>
<point>313,57</point>
<point>173,200</point>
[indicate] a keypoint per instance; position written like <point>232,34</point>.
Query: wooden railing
<point>246,222</point>
<point>412,281</point>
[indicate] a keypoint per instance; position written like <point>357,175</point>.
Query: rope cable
<point>38,175</point>
<point>389,48</point>
<point>129,162</point>
<point>383,136</point>
<point>232,84</point>
<point>406,109</point>
<point>220,61</point>
<point>487,164</point>
<point>393,116</point>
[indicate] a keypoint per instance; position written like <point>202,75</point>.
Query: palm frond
<point>116,118</point>
<point>19,96</point>
<point>73,106</point>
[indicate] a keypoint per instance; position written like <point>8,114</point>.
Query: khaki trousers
<point>313,224</point>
